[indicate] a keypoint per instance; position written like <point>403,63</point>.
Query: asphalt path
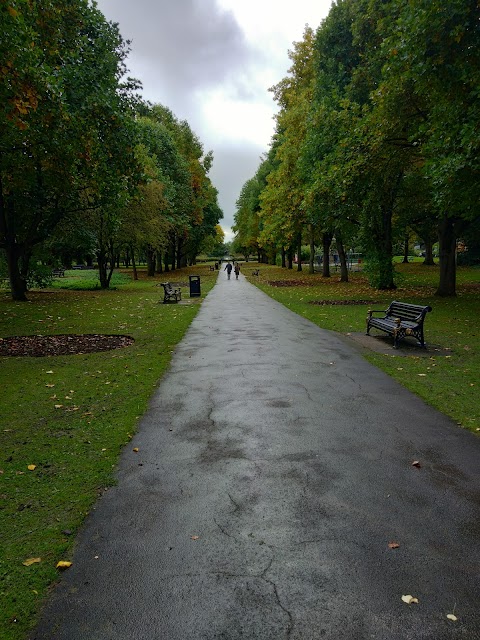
<point>274,467</point>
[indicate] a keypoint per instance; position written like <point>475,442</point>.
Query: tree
<point>435,50</point>
<point>65,144</point>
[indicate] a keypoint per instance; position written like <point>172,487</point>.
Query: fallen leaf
<point>32,467</point>
<point>58,406</point>
<point>135,449</point>
<point>63,564</point>
<point>393,545</point>
<point>452,617</point>
<point>195,537</point>
<point>410,599</point>
<point>30,561</point>
<point>417,464</point>
<point>48,371</point>
<point>49,385</point>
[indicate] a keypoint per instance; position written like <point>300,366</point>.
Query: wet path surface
<point>274,468</point>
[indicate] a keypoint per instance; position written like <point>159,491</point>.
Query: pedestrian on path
<point>228,269</point>
<point>237,270</point>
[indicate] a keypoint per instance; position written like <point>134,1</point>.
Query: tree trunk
<point>327,238</point>
<point>159,265</point>
<point>134,264</point>
<point>343,257</point>
<point>284,264</point>
<point>384,251</point>
<point>299,252</point>
<point>150,262</point>
<point>165,261</point>
<point>179,253</point>
<point>447,251</point>
<point>290,258</point>
<point>429,261</point>
<point>311,263</point>
<point>18,284</point>
<point>103,269</point>
<point>173,246</point>
<point>405,248</point>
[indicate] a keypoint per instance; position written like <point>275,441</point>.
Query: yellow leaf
<point>48,371</point>
<point>410,599</point>
<point>136,449</point>
<point>63,564</point>
<point>452,617</point>
<point>58,406</point>
<point>30,561</point>
<point>32,467</point>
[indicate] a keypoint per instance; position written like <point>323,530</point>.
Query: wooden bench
<point>58,273</point>
<point>171,294</point>
<point>400,320</point>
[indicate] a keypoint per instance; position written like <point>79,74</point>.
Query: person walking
<point>228,269</point>
<point>237,270</point>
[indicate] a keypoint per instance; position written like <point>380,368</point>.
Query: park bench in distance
<point>400,320</point>
<point>171,294</point>
<point>58,273</point>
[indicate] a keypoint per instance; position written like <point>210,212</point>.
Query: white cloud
<point>212,62</point>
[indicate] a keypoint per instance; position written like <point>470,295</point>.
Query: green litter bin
<point>194,286</point>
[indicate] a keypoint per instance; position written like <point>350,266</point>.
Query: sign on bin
<point>194,286</point>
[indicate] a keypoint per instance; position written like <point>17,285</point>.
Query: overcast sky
<point>211,62</point>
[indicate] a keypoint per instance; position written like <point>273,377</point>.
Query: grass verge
<point>70,417</point>
<point>448,378</point>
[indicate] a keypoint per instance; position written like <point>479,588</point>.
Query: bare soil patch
<point>61,345</point>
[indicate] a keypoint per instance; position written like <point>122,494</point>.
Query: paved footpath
<point>274,468</point>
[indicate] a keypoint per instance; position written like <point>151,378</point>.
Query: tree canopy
<point>82,156</point>
<point>377,134</point>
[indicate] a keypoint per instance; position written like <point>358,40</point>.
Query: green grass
<point>75,447</point>
<point>449,378</point>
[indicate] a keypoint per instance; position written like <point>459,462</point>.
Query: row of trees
<point>86,167</point>
<point>377,137</point>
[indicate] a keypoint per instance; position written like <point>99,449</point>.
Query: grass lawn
<point>449,379</point>
<point>68,418</point>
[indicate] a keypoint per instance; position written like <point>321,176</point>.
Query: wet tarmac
<point>274,469</point>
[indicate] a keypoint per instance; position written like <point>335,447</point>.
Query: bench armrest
<point>370,311</point>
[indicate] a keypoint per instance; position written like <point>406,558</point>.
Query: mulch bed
<point>61,345</point>
<point>342,302</point>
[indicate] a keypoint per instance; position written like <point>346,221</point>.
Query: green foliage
<point>39,276</point>
<point>378,269</point>
<point>67,143</point>
<point>378,131</point>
